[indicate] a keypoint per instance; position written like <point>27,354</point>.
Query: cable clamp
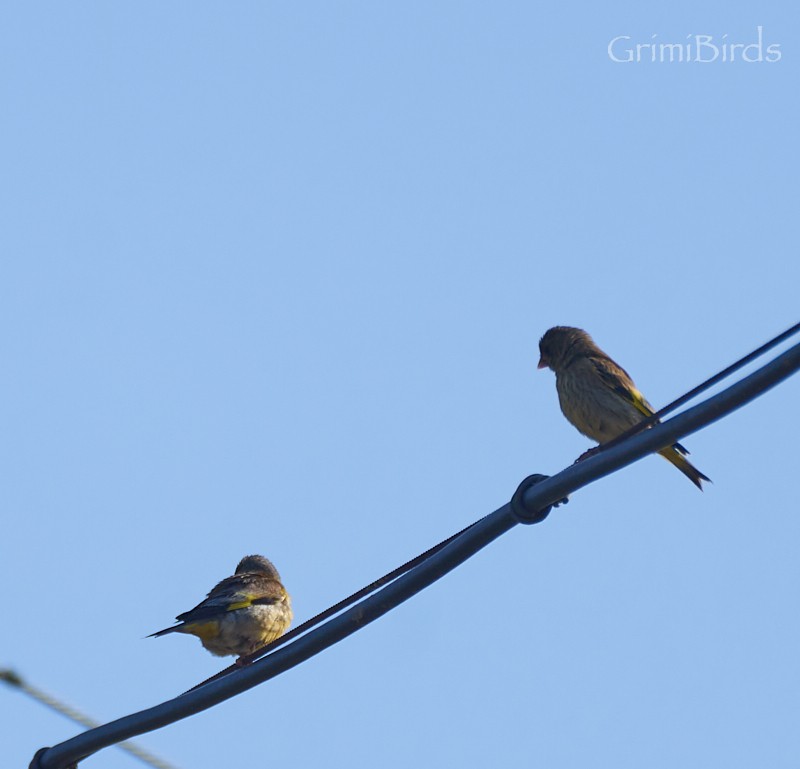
<point>521,511</point>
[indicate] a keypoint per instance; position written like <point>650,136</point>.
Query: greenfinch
<point>598,396</point>
<point>240,614</point>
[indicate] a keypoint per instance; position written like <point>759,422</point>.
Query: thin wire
<point>12,678</point>
<point>471,541</point>
<point>702,387</point>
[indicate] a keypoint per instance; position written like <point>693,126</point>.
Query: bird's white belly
<point>244,630</point>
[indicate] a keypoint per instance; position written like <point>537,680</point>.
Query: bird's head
<point>559,346</point>
<point>259,564</point>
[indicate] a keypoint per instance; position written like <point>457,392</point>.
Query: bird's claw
<point>586,454</point>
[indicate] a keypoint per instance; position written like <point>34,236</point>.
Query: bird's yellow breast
<point>205,631</point>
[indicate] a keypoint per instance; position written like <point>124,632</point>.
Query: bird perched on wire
<point>242,613</point>
<point>597,395</point>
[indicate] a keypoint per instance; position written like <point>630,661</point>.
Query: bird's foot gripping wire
<point>521,511</point>
<point>586,454</point>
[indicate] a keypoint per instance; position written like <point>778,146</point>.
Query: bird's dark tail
<point>672,455</point>
<point>166,630</point>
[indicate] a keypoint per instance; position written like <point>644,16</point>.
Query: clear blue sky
<point>273,278</point>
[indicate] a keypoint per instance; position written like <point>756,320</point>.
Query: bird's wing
<point>617,379</point>
<point>237,592</point>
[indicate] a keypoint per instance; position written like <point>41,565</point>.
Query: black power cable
<point>530,505</point>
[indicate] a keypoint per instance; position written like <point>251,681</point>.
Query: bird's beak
<point>542,363</point>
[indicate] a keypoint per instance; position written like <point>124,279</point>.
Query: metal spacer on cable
<point>521,511</point>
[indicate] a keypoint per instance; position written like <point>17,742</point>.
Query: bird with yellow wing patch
<point>242,613</point>
<point>597,395</point>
